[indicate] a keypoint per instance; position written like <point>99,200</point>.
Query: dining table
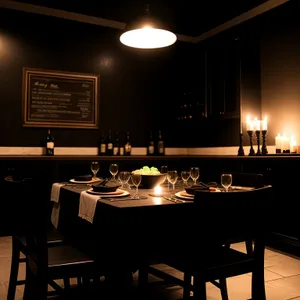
<point>125,233</point>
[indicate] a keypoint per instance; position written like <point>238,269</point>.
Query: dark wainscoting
<point>277,170</point>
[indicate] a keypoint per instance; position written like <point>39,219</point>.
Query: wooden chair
<point>248,179</point>
<point>219,219</point>
<point>24,194</point>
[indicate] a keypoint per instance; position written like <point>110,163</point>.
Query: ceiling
<point>191,18</point>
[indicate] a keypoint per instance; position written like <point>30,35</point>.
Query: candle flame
<point>157,190</point>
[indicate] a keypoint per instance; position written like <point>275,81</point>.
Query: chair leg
<point>79,280</point>
<point>14,270</point>
<point>199,288</point>
<point>223,288</point>
<point>67,284</point>
<point>143,276</point>
<point>36,287</point>
<point>187,285</point>
<point>249,247</point>
<point>258,286</point>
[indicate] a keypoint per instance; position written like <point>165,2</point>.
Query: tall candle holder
<point>241,149</point>
<point>264,149</point>
<point>257,132</point>
<point>250,133</point>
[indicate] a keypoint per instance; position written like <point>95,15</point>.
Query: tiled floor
<point>282,276</point>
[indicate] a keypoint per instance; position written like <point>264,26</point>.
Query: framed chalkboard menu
<point>56,99</point>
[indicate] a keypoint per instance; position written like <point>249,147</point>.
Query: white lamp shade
<point>148,38</point>
<point>147,32</point>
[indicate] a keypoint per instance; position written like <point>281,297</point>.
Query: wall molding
<point>86,151</point>
<point>256,11</point>
<point>58,13</point>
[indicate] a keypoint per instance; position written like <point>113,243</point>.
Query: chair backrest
<point>248,179</point>
<point>226,216</point>
<point>30,215</point>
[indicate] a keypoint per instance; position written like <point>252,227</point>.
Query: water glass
<point>172,178</point>
<point>94,168</point>
<point>113,169</point>
<point>195,173</point>
<point>124,177</point>
<point>185,175</point>
<point>226,181</point>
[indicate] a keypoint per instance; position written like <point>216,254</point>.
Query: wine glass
<point>94,168</point>
<point>164,170</point>
<point>172,178</point>
<point>136,180</point>
<point>113,169</point>
<point>124,177</point>
<point>185,175</point>
<point>195,173</point>
<point>226,181</point>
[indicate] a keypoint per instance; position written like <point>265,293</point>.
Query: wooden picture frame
<point>57,99</point>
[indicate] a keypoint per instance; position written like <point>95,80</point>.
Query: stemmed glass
<point>136,180</point>
<point>94,168</point>
<point>113,169</point>
<point>164,170</point>
<point>172,178</point>
<point>185,175</point>
<point>124,177</point>
<point>195,173</point>
<point>226,181</point>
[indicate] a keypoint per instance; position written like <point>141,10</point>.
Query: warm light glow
<point>293,145</point>
<point>157,190</point>
<point>249,124</point>
<point>264,124</point>
<point>278,143</point>
<point>256,124</point>
<point>148,38</point>
<point>158,200</point>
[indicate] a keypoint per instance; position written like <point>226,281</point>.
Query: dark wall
<point>146,89</point>
<point>137,87</point>
<point>280,76</point>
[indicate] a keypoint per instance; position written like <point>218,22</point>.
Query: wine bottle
<point>160,144</point>
<point>102,144</point>
<point>49,144</point>
<point>151,147</point>
<point>116,147</point>
<point>109,148</point>
<point>128,144</point>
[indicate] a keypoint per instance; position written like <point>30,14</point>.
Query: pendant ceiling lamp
<point>147,32</point>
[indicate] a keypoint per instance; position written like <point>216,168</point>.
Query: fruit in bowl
<point>151,177</point>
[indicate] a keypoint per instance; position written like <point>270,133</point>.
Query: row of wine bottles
<point>112,145</point>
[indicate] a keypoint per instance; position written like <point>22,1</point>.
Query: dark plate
<point>107,188</point>
<point>83,177</point>
<point>200,187</point>
<point>191,190</point>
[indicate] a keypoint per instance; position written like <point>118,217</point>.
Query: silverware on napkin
<point>174,199</point>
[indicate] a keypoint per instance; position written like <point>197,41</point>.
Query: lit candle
<point>249,124</point>
<point>158,191</point>
<point>264,124</point>
<point>285,143</point>
<point>256,124</point>
<point>293,145</point>
<point>278,143</point>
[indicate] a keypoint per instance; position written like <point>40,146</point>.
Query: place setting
<point>107,189</point>
<point>88,178</point>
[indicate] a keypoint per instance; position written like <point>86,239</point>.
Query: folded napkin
<point>87,206</point>
<point>55,191</point>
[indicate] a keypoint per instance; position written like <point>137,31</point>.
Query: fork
<point>175,200</point>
